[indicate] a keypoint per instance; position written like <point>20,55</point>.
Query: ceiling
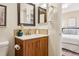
<point>68,7</point>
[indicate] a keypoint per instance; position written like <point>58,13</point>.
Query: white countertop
<point>25,37</point>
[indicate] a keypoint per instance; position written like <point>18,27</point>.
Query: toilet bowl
<point>4,48</point>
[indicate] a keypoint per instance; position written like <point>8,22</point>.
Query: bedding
<point>70,39</point>
<point>70,42</point>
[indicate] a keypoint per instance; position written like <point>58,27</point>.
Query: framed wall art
<point>26,14</point>
<point>2,15</point>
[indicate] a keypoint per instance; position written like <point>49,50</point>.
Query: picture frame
<point>26,14</point>
<point>3,15</point>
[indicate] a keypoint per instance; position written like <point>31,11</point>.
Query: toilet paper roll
<point>17,47</point>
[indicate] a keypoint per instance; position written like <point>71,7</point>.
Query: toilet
<point>4,48</point>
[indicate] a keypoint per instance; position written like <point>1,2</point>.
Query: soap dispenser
<point>20,33</point>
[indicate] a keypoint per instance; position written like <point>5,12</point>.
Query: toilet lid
<point>4,43</point>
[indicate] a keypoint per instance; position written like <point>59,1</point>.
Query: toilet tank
<point>4,48</point>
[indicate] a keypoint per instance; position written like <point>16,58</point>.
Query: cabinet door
<point>44,47</point>
<point>20,51</point>
<point>33,47</point>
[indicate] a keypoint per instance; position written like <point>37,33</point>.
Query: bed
<point>70,42</point>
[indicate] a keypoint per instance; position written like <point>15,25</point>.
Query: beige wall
<point>68,15</point>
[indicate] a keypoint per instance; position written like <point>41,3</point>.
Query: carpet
<point>66,52</point>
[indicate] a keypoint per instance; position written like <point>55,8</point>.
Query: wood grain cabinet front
<point>32,47</point>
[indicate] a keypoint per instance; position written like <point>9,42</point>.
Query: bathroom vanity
<point>32,45</point>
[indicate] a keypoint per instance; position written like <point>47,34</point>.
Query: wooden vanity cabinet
<point>32,47</point>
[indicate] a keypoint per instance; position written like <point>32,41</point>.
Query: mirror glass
<point>42,13</point>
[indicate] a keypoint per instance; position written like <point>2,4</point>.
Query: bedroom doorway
<point>70,29</point>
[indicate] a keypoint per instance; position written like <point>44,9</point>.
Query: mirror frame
<point>18,10</point>
<point>45,17</point>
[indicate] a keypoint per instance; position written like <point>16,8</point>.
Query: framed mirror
<point>26,14</point>
<point>42,15</point>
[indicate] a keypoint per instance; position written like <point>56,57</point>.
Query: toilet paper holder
<point>17,47</point>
